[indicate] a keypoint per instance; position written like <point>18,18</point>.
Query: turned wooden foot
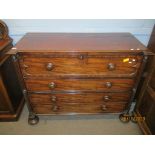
<point>134,118</point>
<point>124,118</point>
<point>33,120</point>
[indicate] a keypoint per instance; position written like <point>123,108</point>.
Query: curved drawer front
<point>106,84</point>
<point>108,66</point>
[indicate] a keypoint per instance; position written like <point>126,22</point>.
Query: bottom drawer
<point>79,103</point>
<point>80,109</point>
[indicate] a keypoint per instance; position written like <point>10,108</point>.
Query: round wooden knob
<point>104,107</point>
<point>108,84</point>
<point>81,57</point>
<point>55,108</point>
<point>53,98</point>
<point>49,66</point>
<point>111,66</point>
<point>106,98</point>
<point>51,85</point>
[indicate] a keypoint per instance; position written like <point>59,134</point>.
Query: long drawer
<point>107,84</point>
<point>80,109</point>
<point>88,103</point>
<point>80,99</point>
<point>107,66</point>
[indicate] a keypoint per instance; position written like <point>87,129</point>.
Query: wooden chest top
<point>74,42</point>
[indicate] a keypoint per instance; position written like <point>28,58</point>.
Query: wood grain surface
<point>80,41</point>
<point>38,85</point>
<point>81,98</point>
<point>75,66</point>
<point>79,73</point>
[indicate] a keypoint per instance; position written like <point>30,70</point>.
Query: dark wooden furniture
<point>146,99</point>
<point>75,73</point>
<point>11,98</point>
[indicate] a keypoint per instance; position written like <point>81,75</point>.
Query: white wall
<point>141,29</point>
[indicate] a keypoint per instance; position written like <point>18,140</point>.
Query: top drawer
<point>110,66</point>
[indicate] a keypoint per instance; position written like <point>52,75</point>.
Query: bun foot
<point>33,120</point>
<point>134,118</point>
<point>124,118</point>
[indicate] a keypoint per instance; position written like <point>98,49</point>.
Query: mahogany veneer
<point>79,73</point>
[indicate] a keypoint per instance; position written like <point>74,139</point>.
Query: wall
<point>141,29</point>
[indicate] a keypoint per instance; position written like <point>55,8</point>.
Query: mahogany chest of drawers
<point>78,73</point>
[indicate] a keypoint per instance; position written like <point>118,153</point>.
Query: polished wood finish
<point>74,66</point>
<point>146,97</point>
<point>79,73</point>
<point>82,109</point>
<point>11,98</point>
<point>76,42</point>
<point>72,98</point>
<point>107,84</point>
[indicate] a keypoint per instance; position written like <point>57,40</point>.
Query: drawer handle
<point>106,98</point>
<point>55,108</point>
<point>104,107</point>
<point>111,66</point>
<point>81,57</point>
<point>52,85</point>
<point>49,66</point>
<point>108,84</point>
<point>53,98</point>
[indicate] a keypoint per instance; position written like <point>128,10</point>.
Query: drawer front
<point>78,103</point>
<point>79,84</point>
<point>80,99</point>
<point>80,109</point>
<point>74,66</point>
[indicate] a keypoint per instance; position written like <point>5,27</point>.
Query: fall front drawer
<point>108,66</point>
<point>107,84</point>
